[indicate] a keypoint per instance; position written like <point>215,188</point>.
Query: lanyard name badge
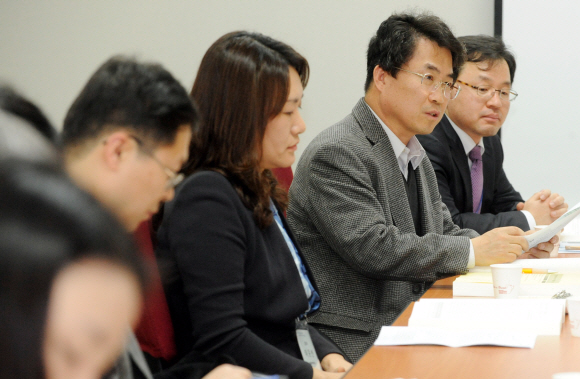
<point>305,344</point>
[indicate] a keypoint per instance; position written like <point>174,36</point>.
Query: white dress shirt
<point>413,152</point>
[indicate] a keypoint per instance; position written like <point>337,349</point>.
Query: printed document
<point>551,230</point>
<point>407,335</point>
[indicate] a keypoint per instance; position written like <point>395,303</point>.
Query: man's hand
<point>543,249</point>
<point>335,363</point>
<point>499,245</point>
<point>544,206</point>
<point>227,371</point>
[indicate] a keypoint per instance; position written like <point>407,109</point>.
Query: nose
<point>494,101</point>
<point>436,95</point>
<point>298,126</point>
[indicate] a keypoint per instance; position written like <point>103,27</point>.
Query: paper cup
<point>506,280</point>
<point>566,375</point>
<point>573,304</point>
<point>554,253</point>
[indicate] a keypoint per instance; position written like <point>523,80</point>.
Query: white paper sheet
<point>539,316</point>
<point>551,230</point>
<point>407,335</point>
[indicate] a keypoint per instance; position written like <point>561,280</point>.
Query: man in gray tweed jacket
<point>365,205</point>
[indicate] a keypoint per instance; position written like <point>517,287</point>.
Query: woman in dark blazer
<point>235,280</point>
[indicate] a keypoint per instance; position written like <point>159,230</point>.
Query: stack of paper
<point>541,316</point>
<point>407,335</point>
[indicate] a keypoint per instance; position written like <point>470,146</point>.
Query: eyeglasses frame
<point>476,88</point>
<point>437,85</point>
<point>174,178</point>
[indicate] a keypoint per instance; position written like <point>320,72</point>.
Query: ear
<point>117,148</point>
<point>380,77</point>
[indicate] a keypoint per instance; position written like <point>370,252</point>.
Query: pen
<point>537,271</point>
<point>572,247</point>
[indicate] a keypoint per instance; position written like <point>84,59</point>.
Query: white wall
<point>541,136</point>
<point>49,48</point>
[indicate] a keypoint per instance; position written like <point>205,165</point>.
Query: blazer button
<point>417,288</point>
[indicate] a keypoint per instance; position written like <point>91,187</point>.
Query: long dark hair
<point>242,83</point>
<point>46,223</point>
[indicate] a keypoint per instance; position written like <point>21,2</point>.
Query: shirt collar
<point>413,152</point>
<point>466,140</point>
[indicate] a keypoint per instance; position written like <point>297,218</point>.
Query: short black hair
<point>47,223</point>
<point>394,43</point>
<point>482,48</point>
<point>125,93</point>
<point>14,103</point>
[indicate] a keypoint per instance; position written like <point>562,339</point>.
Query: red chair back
<point>155,330</point>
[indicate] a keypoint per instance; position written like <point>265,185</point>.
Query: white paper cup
<point>566,375</point>
<point>573,304</point>
<point>506,280</point>
<point>554,253</point>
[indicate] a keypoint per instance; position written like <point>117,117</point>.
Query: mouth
<point>433,114</point>
<point>293,147</point>
<point>491,117</point>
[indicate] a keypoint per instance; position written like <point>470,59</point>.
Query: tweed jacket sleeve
<point>349,190</point>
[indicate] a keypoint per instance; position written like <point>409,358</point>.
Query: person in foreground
<point>71,281</point>
<point>235,279</point>
<point>466,152</point>
<point>364,204</point>
<point>125,139</point>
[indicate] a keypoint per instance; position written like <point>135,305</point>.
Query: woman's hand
<point>319,374</point>
<point>335,363</point>
<point>227,371</point>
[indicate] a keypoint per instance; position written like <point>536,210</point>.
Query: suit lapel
<point>388,165</point>
<point>460,161</point>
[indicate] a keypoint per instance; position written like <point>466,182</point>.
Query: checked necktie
<point>476,177</point>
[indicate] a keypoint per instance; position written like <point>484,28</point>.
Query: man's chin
<point>427,129</point>
<point>134,224</point>
<point>489,131</point>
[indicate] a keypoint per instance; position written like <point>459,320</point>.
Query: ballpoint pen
<point>537,271</point>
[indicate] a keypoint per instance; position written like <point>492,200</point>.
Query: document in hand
<point>551,230</point>
<point>541,316</point>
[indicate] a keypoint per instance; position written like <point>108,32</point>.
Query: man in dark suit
<point>364,204</point>
<point>471,123</point>
<point>125,139</point>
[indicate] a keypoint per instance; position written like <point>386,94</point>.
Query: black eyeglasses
<point>489,91</point>
<point>173,178</point>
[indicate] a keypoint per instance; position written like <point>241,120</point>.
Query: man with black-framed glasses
<point>466,151</point>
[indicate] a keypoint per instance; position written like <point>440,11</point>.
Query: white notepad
<point>408,335</point>
<point>540,316</point>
